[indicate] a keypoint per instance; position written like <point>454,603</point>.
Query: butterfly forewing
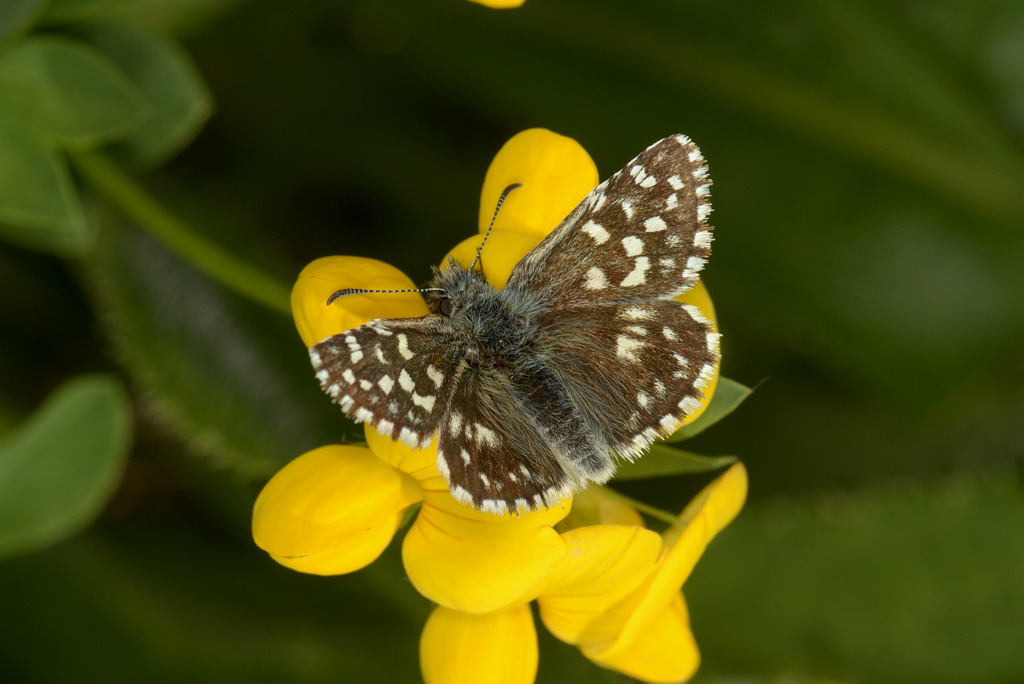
<point>639,235</point>
<point>392,373</point>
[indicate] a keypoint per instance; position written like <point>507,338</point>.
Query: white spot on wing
<point>406,382</point>
<point>626,347</point>
<point>689,404</point>
<point>486,435</point>
<point>702,238</point>
<point>633,245</point>
<point>676,182</point>
<point>596,279</point>
<point>627,206</point>
<point>636,313</point>
<point>403,346</point>
<point>349,376</point>
<point>427,402</point>
<point>596,231</point>
<point>435,375</point>
<point>655,224</point>
<point>386,384</point>
<point>648,182</point>
<point>638,276</point>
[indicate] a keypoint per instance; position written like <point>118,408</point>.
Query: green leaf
<point>17,15</point>
<point>58,471</point>
<point>38,204</point>
<point>663,460</point>
<point>69,91</point>
<point>177,98</point>
<point>729,394</point>
<point>232,378</point>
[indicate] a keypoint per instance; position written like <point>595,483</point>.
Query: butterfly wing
<point>501,442</point>
<point>633,370</point>
<point>393,373</point>
<point>641,234</point>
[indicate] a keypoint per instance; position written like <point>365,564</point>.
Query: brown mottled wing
<point>390,373</point>
<point>502,450</point>
<point>642,234</point>
<point>633,370</point>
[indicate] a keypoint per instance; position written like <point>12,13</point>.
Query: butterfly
<point>534,390</point>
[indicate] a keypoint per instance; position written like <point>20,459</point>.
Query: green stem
<point>647,509</point>
<point>237,275</point>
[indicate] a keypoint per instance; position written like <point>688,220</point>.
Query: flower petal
<point>556,173</point>
<point>332,510</point>
<point>479,562</point>
<point>420,463</point>
<point>705,517</point>
<point>664,654</point>
<point>320,279</point>
<point>504,249</point>
<point>500,4</point>
<point>494,648</point>
<point>604,564</point>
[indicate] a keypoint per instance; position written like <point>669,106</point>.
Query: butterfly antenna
<point>355,290</point>
<point>501,200</point>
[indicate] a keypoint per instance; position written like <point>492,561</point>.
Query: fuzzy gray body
<point>584,355</point>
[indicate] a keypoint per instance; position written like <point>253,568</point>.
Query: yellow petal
<point>500,4</point>
<point>699,297</point>
<point>556,173</point>
<point>320,279</point>
<point>495,648</point>
<point>664,654</point>
<point>420,463</point>
<point>504,249</point>
<point>332,510</point>
<point>479,562</point>
<point>604,564</point>
<point>705,517</point>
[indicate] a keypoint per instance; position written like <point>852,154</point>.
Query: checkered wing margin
<point>642,234</point>
<point>390,373</point>
<point>634,370</point>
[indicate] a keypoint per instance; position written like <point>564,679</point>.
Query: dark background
<point>867,274</point>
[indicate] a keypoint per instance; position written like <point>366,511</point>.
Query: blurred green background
<point>868,274</point>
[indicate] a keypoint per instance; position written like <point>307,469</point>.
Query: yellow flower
<point>333,510</point>
<point>615,594</point>
<point>500,4</point>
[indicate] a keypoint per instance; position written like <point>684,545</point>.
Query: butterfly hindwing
<point>642,234</point>
<point>391,373</point>
<point>494,450</point>
<point>633,370</point>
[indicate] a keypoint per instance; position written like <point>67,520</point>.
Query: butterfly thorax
<point>492,327</point>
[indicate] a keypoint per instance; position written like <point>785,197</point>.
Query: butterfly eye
<point>444,307</point>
